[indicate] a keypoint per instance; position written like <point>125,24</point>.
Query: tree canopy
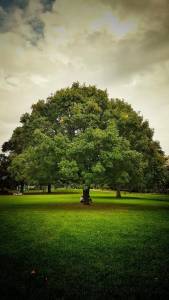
<point>79,135</point>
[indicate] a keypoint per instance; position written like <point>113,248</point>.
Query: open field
<point>113,249</point>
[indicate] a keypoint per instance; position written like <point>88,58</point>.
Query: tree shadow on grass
<point>96,206</point>
<point>160,198</point>
<point>53,193</point>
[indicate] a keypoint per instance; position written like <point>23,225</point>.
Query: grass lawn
<point>113,249</point>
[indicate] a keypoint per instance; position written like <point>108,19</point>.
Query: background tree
<point>6,180</point>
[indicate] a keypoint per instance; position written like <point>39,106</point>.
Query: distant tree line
<point>79,136</point>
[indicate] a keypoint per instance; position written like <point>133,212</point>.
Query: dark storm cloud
<point>4,26</point>
<point>38,28</point>
<point>8,20</point>
<point>47,4</point>
<point>22,4</point>
<point>9,4</point>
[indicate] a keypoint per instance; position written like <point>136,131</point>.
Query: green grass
<point>113,249</point>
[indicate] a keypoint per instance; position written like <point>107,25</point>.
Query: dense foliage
<point>79,135</point>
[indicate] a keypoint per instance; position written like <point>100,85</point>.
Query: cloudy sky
<point>119,45</point>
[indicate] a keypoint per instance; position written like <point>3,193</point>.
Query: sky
<point>118,45</point>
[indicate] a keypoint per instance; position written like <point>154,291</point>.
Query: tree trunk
<point>22,187</point>
<point>49,188</point>
<point>118,194</point>
<point>85,198</point>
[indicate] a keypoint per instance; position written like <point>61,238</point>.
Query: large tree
<point>102,157</point>
<point>105,142</point>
